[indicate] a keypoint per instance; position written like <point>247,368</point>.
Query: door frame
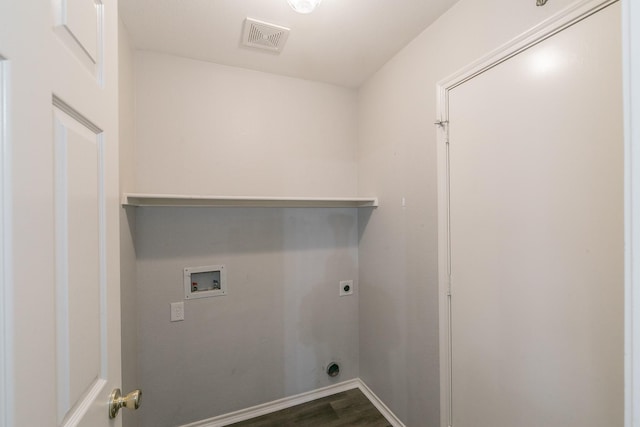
<point>631,99</point>
<point>547,28</point>
<point>5,253</point>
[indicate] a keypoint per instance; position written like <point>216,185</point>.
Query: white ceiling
<point>342,42</point>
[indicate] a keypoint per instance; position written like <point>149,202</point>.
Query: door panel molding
<point>555,24</point>
<point>79,24</point>
<point>73,113</point>
<point>80,262</point>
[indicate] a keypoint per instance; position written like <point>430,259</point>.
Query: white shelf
<point>133,199</point>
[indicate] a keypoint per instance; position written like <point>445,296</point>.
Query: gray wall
<point>399,352</point>
<point>280,324</point>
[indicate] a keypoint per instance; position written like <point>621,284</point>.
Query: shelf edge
<point>169,200</point>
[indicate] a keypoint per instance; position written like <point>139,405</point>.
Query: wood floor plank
<point>345,409</point>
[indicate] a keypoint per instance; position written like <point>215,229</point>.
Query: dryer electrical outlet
<point>346,287</point>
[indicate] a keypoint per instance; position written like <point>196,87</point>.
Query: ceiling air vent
<point>263,35</point>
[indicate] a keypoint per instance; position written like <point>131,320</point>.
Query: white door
<point>60,74</point>
<point>536,217</point>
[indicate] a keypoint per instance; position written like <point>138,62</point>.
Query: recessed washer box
<point>203,282</point>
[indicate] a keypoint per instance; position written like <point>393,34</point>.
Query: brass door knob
<point>117,401</point>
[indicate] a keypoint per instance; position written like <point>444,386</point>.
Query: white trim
<point>631,81</point>
<point>3,281</point>
<point>442,158</point>
<point>556,23</point>
<point>276,405</point>
<point>6,308</point>
<point>288,402</point>
<point>80,408</point>
<point>547,28</point>
<point>375,400</point>
<point>62,269</point>
<point>102,243</point>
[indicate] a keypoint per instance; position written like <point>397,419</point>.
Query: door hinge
<point>449,286</point>
<point>444,124</point>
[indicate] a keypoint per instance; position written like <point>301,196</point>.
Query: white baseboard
<point>288,402</point>
<point>375,400</point>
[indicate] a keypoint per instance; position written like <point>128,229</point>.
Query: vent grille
<point>263,35</point>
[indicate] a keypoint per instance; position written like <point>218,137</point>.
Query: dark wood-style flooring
<point>349,408</point>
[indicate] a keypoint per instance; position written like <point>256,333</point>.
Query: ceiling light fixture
<point>303,6</point>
